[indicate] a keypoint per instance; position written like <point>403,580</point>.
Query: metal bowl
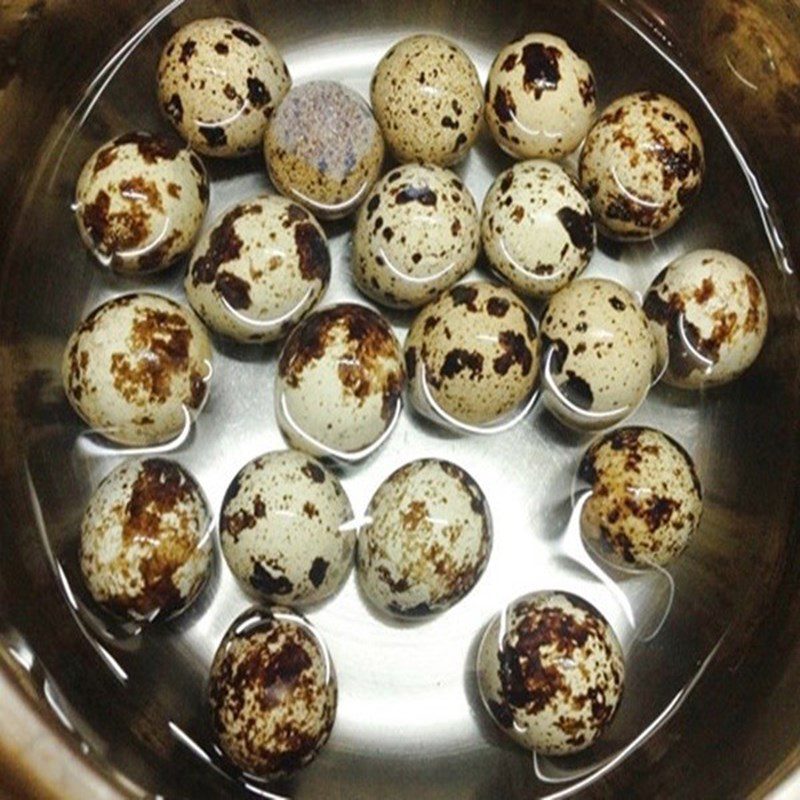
<point>711,705</point>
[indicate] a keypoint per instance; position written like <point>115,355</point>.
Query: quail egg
<point>537,229</point>
<point>540,97</point>
<point>259,270</point>
<point>272,693</point>
<point>324,149</point>
<point>472,354</point>
<point>140,202</point>
<point>551,672</point>
<point>426,541</point>
<point>641,165</point>
<point>709,316</point>
<point>219,82</point>
<point>645,502</point>
<point>285,528</point>
<point>599,354</point>
<point>428,100</point>
<point>340,381</point>
<point>416,235</point>
<point>137,369</point>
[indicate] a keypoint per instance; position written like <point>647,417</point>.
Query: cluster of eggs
<point>137,369</point>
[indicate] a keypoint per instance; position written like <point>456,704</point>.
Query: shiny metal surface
<point>713,649</point>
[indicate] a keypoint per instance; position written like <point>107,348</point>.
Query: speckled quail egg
<point>140,202</point>
<point>324,148</point>
<point>472,354</point>
<point>340,381</point>
<point>645,502</point>
<point>600,357</point>
<point>428,100</point>
<point>537,229</point>
<point>551,672</point>
<point>137,369</point>
<point>219,82</point>
<point>416,235</point>
<point>259,270</point>
<point>540,97</point>
<point>145,547</point>
<point>426,541</point>
<point>286,528</point>
<point>272,693</point>
<point>709,316</point>
<point>641,165</point>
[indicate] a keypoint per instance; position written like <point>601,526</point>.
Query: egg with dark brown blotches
<point>272,693</point>
<point>259,270</point>
<point>473,354</point>
<point>709,315</point>
<point>145,549</point>
<point>137,369</point>
<point>426,541</point>
<point>551,673</point>
<point>646,501</point>
<point>286,528</point>
<point>641,165</point>
<point>540,97</point>
<point>416,234</point>
<point>599,356</point>
<point>219,83</point>
<point>140,202</point>
<point>340,381</point>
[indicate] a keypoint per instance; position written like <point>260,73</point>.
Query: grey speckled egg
<point>599,354</point>
<point>259,270</point>
<point>324,148</point>
<point>428,100</point>
<point>219,82</point>
<point>285,528</point>
<point>340,381</point>
<point>709,315</point>
<point>137,368</point>
<point>476,351</point>
<point>537,229</point>
<point>551,673</point>
<point>145,547</point>
<point>641,166</point>
<point>140,202</point>
<point>646,499</point>
<point>540,97</point>
<point>426,541</point>
<point>416,235</point>
<point>272,693</point>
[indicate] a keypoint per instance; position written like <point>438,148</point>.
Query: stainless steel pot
<point>68,728</point>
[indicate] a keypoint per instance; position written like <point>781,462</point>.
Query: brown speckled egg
<point>709,315</point>
<point>645,501</point>
<point>340,381</point>
<point>286,529</point>
<point>428,100</point>
<point>145,547</point>
<point>324,148</point>
<point>551,673</point>
<point>259,270</point>
<point>140,202</point>
<point>219,82</point>
<point>416,235</point>
<point>476,352</point>
<point>537,229</point>
<point>137,369</point>
<point>426,541</point>
<point>599,354</point>
<point>540,97</point>
<point>641,165</point>
<point>272,693</point>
